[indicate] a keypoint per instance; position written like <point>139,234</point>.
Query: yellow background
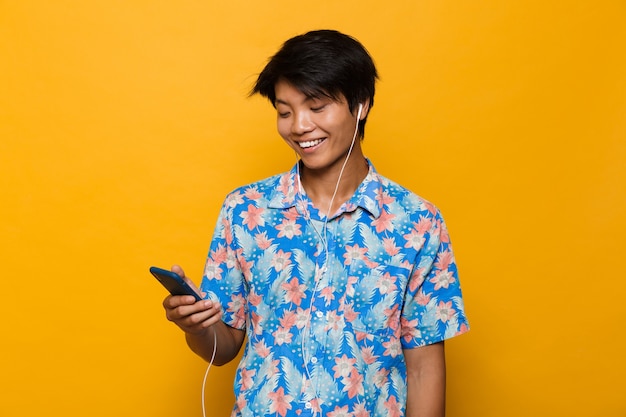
<point>124,123</point>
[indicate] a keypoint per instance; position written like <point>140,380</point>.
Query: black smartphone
<point>173,282</point>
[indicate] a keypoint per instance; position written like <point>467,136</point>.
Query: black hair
<point>322,63</point>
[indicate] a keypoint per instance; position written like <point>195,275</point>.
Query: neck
<point>320,185</point>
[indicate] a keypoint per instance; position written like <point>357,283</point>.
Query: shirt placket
<point>317,349</point>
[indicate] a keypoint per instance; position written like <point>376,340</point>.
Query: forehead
<point>287,93</point>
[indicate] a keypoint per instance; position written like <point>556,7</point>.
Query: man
<point>342,282</point>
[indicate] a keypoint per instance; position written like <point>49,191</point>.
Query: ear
<point>365,110</point>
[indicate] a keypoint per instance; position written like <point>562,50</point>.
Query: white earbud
<point>358,114</point>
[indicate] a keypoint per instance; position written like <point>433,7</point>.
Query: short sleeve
<point>223,278</point>
<point>433,307</point>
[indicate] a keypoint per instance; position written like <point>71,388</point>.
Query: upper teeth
<point>310,143</point>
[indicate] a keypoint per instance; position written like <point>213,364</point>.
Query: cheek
<point>283,127</point>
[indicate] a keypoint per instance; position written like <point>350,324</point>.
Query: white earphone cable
<point>323,238</point>
<point>206,373</point>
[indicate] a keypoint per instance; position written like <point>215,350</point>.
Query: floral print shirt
<point>328,305</point>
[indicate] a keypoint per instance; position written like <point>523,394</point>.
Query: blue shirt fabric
<point>328,305</point>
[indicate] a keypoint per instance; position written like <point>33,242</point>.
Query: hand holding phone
<point>174,283</point>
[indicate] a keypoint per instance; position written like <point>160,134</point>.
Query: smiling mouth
<point>310,143</point>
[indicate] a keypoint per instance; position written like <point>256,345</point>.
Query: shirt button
<point>313,359</point>
<point>308,405</point>
<point>319,314</point>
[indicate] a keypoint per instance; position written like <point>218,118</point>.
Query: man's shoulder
<point>404,197</point>
<point>265,184</point>
<point>258,191</point>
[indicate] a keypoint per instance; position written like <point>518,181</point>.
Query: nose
<point>302,123</point>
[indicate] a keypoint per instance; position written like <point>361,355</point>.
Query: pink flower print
<point>340,412</point>
<point>392,348</point>
<point>256,320</point>
<point>442,279</point>
<point>423,225</point>
<point>212,270</point>
<point>410,330</point>
<point>253,217</point>
<point>292,214</point>
<point>384,221</point>
<point>445,311</point>
<point>390,246</point>
<point>350,285</point>
<point>245,266</point>
<point>281,260</point>
<point>262,349</point>
<point>384,198</point>
<point>333,321</point>
<point>234,199</point>
<point>288,229</point>
<point>315,406</point>
<point>417,278</point>
<point>462,329</point>
<point>436,231</point>
<point>367,353</point>
<point>414,240</point>
<point>231,259</point>
<point>302,318</point>
<point>262,240</point>
<point>279,402</point>
<point>392,318</point>
<point>386,284</point>
<point>282,336</point>
<point>236,303</point>
<point>393,407</point>
<point>354,384</point>
<point>444,259</point>
<point>431,208</point>
<point>288,320</point>
<point>343,366</point>
<point>370,264</point>
<point>349,314</point>
<point>445,237</point>
<point>227,232</point>
<point>285,188</point>
<point>328,294</point>
<point>380,378</point>
<point>254,299</point>
<point>360,336</point>
<point>241,402</point>
<point>219,255</point>
<point>354,253</point>
<point>360,411</point>
<point>246,378</point>
<point>422,299</point>
<point>295,291</point>
<point>252,193</point>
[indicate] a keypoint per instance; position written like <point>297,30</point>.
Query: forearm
<point>228,343</point>
<point>426,381</point>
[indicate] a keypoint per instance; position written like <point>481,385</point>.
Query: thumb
<point>178,270</point>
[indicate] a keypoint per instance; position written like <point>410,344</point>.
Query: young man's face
<point>320,130</point>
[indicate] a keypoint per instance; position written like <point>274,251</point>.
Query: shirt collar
<point>367,195</point>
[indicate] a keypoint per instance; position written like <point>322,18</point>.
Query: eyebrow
<point>306,100</point>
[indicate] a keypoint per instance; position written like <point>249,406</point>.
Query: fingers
<point>190,316</point>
